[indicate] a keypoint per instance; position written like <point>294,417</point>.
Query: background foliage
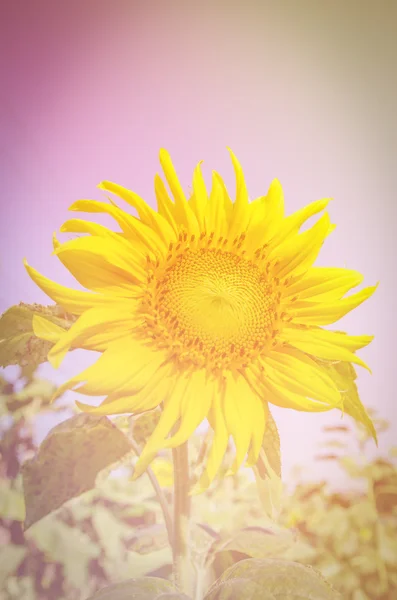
<point>116,531</point>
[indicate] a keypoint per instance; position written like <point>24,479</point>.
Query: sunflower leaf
<point>268,471</point>
<point>18,343</point>
<point>256,542</point>
<point>254,579</point>
<point>271,447</point>
<point>344,375</point>
<point>145,588</point>
<point>68,462</point>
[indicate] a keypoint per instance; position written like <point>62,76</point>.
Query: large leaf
<point>271,579</point>
<point>18,343</point>
<point>256,542</point>
<point>69,461</point>
<point>147,588</point>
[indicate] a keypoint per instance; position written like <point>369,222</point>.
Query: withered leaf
<point>69,461</point>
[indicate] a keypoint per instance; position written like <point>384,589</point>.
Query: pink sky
<point>300,91</point>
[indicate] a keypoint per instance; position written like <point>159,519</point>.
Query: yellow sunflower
<point>207,307</point>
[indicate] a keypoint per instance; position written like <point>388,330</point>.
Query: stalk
<point>181,553</point>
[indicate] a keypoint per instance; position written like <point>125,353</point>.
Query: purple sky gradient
<point>302,91</point>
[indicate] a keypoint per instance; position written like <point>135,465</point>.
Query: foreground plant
<point>210,309</point>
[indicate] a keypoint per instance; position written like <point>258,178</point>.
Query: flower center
<point>212,307</point>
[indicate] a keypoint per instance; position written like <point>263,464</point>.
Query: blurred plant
<point>116,530</point>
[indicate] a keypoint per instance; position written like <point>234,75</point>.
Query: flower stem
<point>181,551</point>
<point>160,495</point>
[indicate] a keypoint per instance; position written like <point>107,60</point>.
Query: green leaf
<point>147,588</point>
<point>271,448</point>
<point>11,557</point>
<point>257,542</point>
<point>271,579</point>
<point>344,375</point>
<point>68,462</point>
<point>18,343</point>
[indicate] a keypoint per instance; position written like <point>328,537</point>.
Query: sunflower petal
<point>324,283</point>
<point>331,345</point>
<point>101,263</point>
<point>102,321</point>
<point>296,255</point>
<point>182,211</point>
<point>169,418</point>
<point>325,313</point>
<point>290,225</point>
<point>73,301</point>
<point>46,330</point>
<point>240,215</point>
<point>215,216</point>
<point>133,228</point>
<point>124,368</point>
<point>297,372</point>
<point>260,417</point>
<point>199,199</point>
<point>147,215</point>
<point>194,407</point>
<point>219,445</point>
<point>239,407</point>
<point>149,397</point>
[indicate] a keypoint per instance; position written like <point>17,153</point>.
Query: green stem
<point>181,551</point>
<point>159,493</point>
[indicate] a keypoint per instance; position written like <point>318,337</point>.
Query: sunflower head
<point>207,307</point>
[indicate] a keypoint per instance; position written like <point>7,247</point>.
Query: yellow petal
<point>240,215</point>
<point>134,229</point>
<point>165,206</point>
<point>219,444</point>
<point>266,216</point>
<point>297,372</point>
<point>199,199</point>
<point>103,264</point>
<point>182,213</point>
<point>169,418</point>
<point>102,321</point>
<point>283,397</point>
<point>325,313</point>
<point>124,368</point>
<point>81,226</point>
<point>331,345</point>
<point>147,215</point>
<point>290,225</point>
<point>46,330</point>
<point>261,412</point>
<point>324,283</point>
<point>215,216</point>
<point>296,255</point>
<point>149,397</point>
<point>240,406</point>
<point>227,200</point>
<point>73,301</point>
<point>194,407</point>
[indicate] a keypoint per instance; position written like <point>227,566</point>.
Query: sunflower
<point>209,308</point>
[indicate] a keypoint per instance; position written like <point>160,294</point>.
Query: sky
<point>302,91</point>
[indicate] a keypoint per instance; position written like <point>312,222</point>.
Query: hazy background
<point>302,90</point>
